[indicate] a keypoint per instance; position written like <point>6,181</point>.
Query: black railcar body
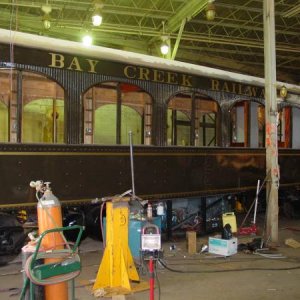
<point>79,174</point>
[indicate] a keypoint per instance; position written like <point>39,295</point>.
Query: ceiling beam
<point>178,39</point>
<point>187,11</point>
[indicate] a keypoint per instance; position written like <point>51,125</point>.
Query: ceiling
<point>232,41</point>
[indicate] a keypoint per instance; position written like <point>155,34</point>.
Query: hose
<point>59,254</point>
<point>226,270</point>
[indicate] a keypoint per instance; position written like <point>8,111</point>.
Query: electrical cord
<point>259,257</point>
<point>225,271</point>
<point>101,224</point>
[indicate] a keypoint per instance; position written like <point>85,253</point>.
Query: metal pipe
<point>131,164</point>
<point>151,282</point>
<point>256,200</point>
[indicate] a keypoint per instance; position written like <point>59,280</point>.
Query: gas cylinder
<point>149,211</point>
<point>50,216</point>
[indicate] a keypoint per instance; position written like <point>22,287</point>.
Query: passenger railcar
<point>66,110</point>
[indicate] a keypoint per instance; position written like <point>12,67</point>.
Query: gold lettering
<point>92,64</point>
<point>215,84</point>
<point>186,80</point>
<point>233,87</point>
<point>225,87</point>
<point>247,90</point>
<point>158,76</point>
<point>240,92</point>
<point>253,91</point>
<point>74,63</point>
<point>172,78</point>
<point>130,72</point>
<point>57,60</point>
<point>144,74</point>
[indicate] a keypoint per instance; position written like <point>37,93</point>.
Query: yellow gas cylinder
<point>50,216</point>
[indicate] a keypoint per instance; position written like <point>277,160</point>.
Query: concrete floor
<point>206,284</point>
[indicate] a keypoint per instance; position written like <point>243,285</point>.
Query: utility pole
<point>272,168</point>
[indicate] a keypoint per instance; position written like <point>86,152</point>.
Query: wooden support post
<point>191,238</point>
<point>272,168</point>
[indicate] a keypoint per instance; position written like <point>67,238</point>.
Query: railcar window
<point>206,123</point>
<point>247,124</point>
<point>287,128</point>
<point>192,120</point>
<point>105,117</point>
<point>43,110</point>
<point>295,125</point>
<point>207,129</point>
<point>8,109</point>
<point>281,128</point>
<point>261,125</point>
<point>112,109</point>
<point>179,120</point>
<point>3,121</point>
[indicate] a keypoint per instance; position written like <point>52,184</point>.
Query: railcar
<point>66,110</point>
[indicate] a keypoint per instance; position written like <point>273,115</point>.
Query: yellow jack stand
<point>117,267</point>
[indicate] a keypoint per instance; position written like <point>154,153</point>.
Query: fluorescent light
<point>47,23</point>
<point>97,19</point>
<point>87,40</point>
<point>164,48</point>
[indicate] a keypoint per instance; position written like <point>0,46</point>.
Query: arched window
<point>112,110</point>
<point>34,108</point>
<point>43,110</point>
<point>7,107</point>
<point>192,120</point>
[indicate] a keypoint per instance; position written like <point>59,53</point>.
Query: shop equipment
<point>66,267</point>
<point>151,251</point>
<point>117,271</point>
<point>252,229</point>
